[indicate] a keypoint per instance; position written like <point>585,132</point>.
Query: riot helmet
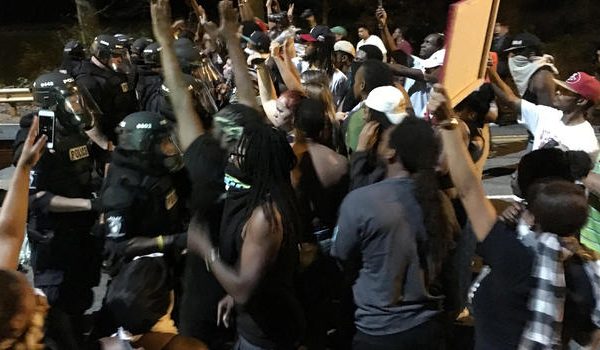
<point>73,106</point>
<point>74,50</point>
<point>187,54</point>
<point>202,99</point>
<point>137,49</point>
<point>111,53</point>
<point>149,136</point>
<point>151,55</point>
<point>124,40</point>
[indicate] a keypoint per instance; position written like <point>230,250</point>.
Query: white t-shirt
<point>546,125</point>
<point>338,86</point>
<point>373,40</point>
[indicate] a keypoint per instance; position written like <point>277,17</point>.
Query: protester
<point>565,125</point>
<point>366,38</point>
<point>340,33</point>
<point>396,307</point>
<point>63,210</point>
<point>522,316</point>
<point>22,310</point>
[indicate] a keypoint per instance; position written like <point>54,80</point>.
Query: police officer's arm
<point>504,92</point>
<point>13,214</point>
<point>229,30</point>
<point>60,204</point>
<point>259,249</point>
<point>189,125</point>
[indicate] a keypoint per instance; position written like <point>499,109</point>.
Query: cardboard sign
<point>469,37</point>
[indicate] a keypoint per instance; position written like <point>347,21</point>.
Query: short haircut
<point>376,74</point>
<point>372,51</point>
<point>551,163</point>
<point>559,206</point>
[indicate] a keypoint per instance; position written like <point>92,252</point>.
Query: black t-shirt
<point>205,163</point>
<point>501,301</point>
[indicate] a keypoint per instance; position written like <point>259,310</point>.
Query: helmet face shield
<point>78,109</point>
<point>120,62</point>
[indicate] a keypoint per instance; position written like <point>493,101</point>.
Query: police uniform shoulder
<point>26,120</point>
<point>117,197</point>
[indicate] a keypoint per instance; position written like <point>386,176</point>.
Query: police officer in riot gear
<point>143,200</point>
<point>137,49</point>
<point>202,99</point>
<point>107,77</point>
<point>149,78</point>
<point>73,57</point>
<point>143,204</point>
<point>66,258</point>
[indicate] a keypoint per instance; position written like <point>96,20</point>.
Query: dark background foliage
<point>33,32</point>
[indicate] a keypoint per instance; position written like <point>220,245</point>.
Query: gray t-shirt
<point>383,224</point>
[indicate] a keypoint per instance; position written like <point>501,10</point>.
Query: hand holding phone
<point>46,125</point>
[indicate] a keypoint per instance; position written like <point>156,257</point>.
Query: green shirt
<point>590,234</point>
<point>356,122</point>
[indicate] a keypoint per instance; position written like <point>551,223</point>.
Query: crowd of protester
<point>267,184</point>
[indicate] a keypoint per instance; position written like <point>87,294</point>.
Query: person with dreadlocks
<point>258,252</point>
<point>319,56</point>
<point>205,157</point>
<point>402,235</point>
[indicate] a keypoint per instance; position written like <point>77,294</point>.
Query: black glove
<point>96,205</point>
<point>40,203</point>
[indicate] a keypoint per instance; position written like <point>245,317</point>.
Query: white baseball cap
<point>390,101</point>
<point>345,46</point>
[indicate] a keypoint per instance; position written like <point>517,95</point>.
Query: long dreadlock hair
<point>267,161</point>
<point>417,148</point>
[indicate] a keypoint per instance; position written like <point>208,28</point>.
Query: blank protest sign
<point>468,40</point>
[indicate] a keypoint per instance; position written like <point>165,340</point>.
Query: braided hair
<point>418,149</point>
<point>266,161</point>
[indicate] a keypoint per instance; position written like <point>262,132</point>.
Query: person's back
<point>390,293</point>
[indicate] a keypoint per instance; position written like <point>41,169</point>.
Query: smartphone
<point>380,4</point>
<point>46,126</point>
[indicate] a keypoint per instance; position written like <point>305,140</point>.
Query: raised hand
<point>32,149</point>
<point>381,16</point>
<point>229,19</point>
<point>439,104</point>
<point>160,11</point>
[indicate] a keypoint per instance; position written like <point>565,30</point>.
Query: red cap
<point>582,84</point>
<point>308,38</point>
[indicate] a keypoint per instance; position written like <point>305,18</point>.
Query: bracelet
<point>211,258</point>
<point>160,241</point>
<point>448,124</point>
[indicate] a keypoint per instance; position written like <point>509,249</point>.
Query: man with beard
<point>319,56</point>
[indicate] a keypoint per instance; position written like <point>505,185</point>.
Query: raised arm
<point>283,60</point>
<point>503,91</point>
<point>462,170</point>
<point>266,89</point>
<point>13,214</point>
<point>189,125</point>
<point>386,36</point>
<point>229,31</point>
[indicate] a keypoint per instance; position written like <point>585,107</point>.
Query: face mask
<point>517,62</point>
